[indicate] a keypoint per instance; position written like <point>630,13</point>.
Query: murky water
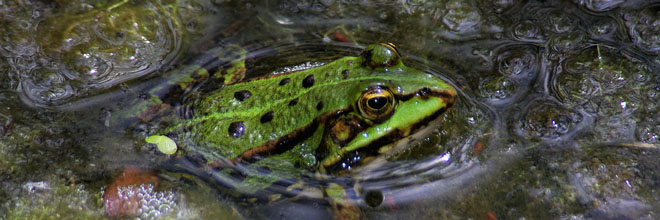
<point>557,118</point>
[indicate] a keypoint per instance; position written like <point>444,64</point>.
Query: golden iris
<point>377,104</point>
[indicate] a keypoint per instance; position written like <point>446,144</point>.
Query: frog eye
<point>376,104</point>
<point>381,55</point>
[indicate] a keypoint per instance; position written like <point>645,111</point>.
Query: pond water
<point>557,115</point>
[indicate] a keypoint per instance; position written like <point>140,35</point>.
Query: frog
<point>326,119</point>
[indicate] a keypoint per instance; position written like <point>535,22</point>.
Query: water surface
<point>557,118</point>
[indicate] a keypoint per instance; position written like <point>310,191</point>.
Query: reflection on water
<point>557,116</point>
<point>57,52</point>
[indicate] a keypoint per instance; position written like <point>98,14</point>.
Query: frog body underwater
<point>327,118</point>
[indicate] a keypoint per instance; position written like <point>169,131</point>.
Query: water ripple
<point>644,28</point>
<point>93,51</point>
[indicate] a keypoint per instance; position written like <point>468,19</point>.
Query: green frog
<point>326,119</point>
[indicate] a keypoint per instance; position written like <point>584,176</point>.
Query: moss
<point>55,201</point>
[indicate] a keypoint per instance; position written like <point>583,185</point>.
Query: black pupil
<point>377,102</point>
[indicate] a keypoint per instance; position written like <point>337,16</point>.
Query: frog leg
<point>343,206</point>
<point>233,55</point>
<point>338,133</point>
<point>183,80</point>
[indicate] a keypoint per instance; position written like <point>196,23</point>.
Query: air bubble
<point>517,62</point>
<point>548,120</point>
<point>644,28</point>
<point>599,5</point>
<point>496,88</point>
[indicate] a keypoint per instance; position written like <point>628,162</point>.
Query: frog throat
<point>289,141</point>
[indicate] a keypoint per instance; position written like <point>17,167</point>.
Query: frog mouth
<point>396,135</point>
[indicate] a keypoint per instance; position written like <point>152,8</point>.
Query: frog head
<point>391,102</point>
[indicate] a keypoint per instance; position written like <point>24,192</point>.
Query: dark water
<point>557,118</point>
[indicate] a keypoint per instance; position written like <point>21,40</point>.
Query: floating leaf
<point>164,143</point>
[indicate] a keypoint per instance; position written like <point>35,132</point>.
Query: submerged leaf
<point>164,143</point>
